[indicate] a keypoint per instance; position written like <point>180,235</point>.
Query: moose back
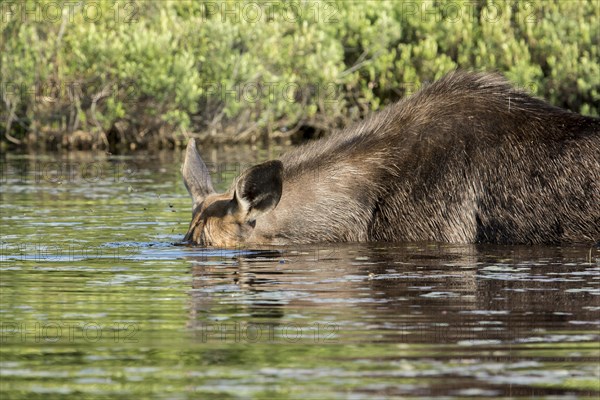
<point>466,159</point>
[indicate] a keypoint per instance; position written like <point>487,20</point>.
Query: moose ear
<point>258,189</point>
<point>195,175</point>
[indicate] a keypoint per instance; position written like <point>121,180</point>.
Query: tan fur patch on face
<point>217,224</point>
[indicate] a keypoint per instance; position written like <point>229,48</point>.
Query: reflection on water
<point>96,301</point>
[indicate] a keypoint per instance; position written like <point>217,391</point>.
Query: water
<point>98,302</point>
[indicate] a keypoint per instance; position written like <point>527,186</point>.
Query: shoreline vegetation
<point>118,75</point>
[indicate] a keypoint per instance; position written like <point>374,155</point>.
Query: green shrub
<point>140,72</point>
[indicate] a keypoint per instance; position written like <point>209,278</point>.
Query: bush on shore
<point>147,73</point>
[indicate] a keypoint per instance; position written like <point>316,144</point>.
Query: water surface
<point>96,301</point>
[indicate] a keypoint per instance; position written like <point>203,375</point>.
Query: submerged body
<point>467,159</point>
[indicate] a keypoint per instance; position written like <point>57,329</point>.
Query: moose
<point>467,159</point>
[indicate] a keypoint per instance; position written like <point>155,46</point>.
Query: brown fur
<point>467,159</point>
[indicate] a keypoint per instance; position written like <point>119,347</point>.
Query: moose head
<point>229,219</point>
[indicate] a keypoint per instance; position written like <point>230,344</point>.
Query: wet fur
<point>466,159</point>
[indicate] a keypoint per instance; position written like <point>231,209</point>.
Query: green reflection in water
<point>97,302</point>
